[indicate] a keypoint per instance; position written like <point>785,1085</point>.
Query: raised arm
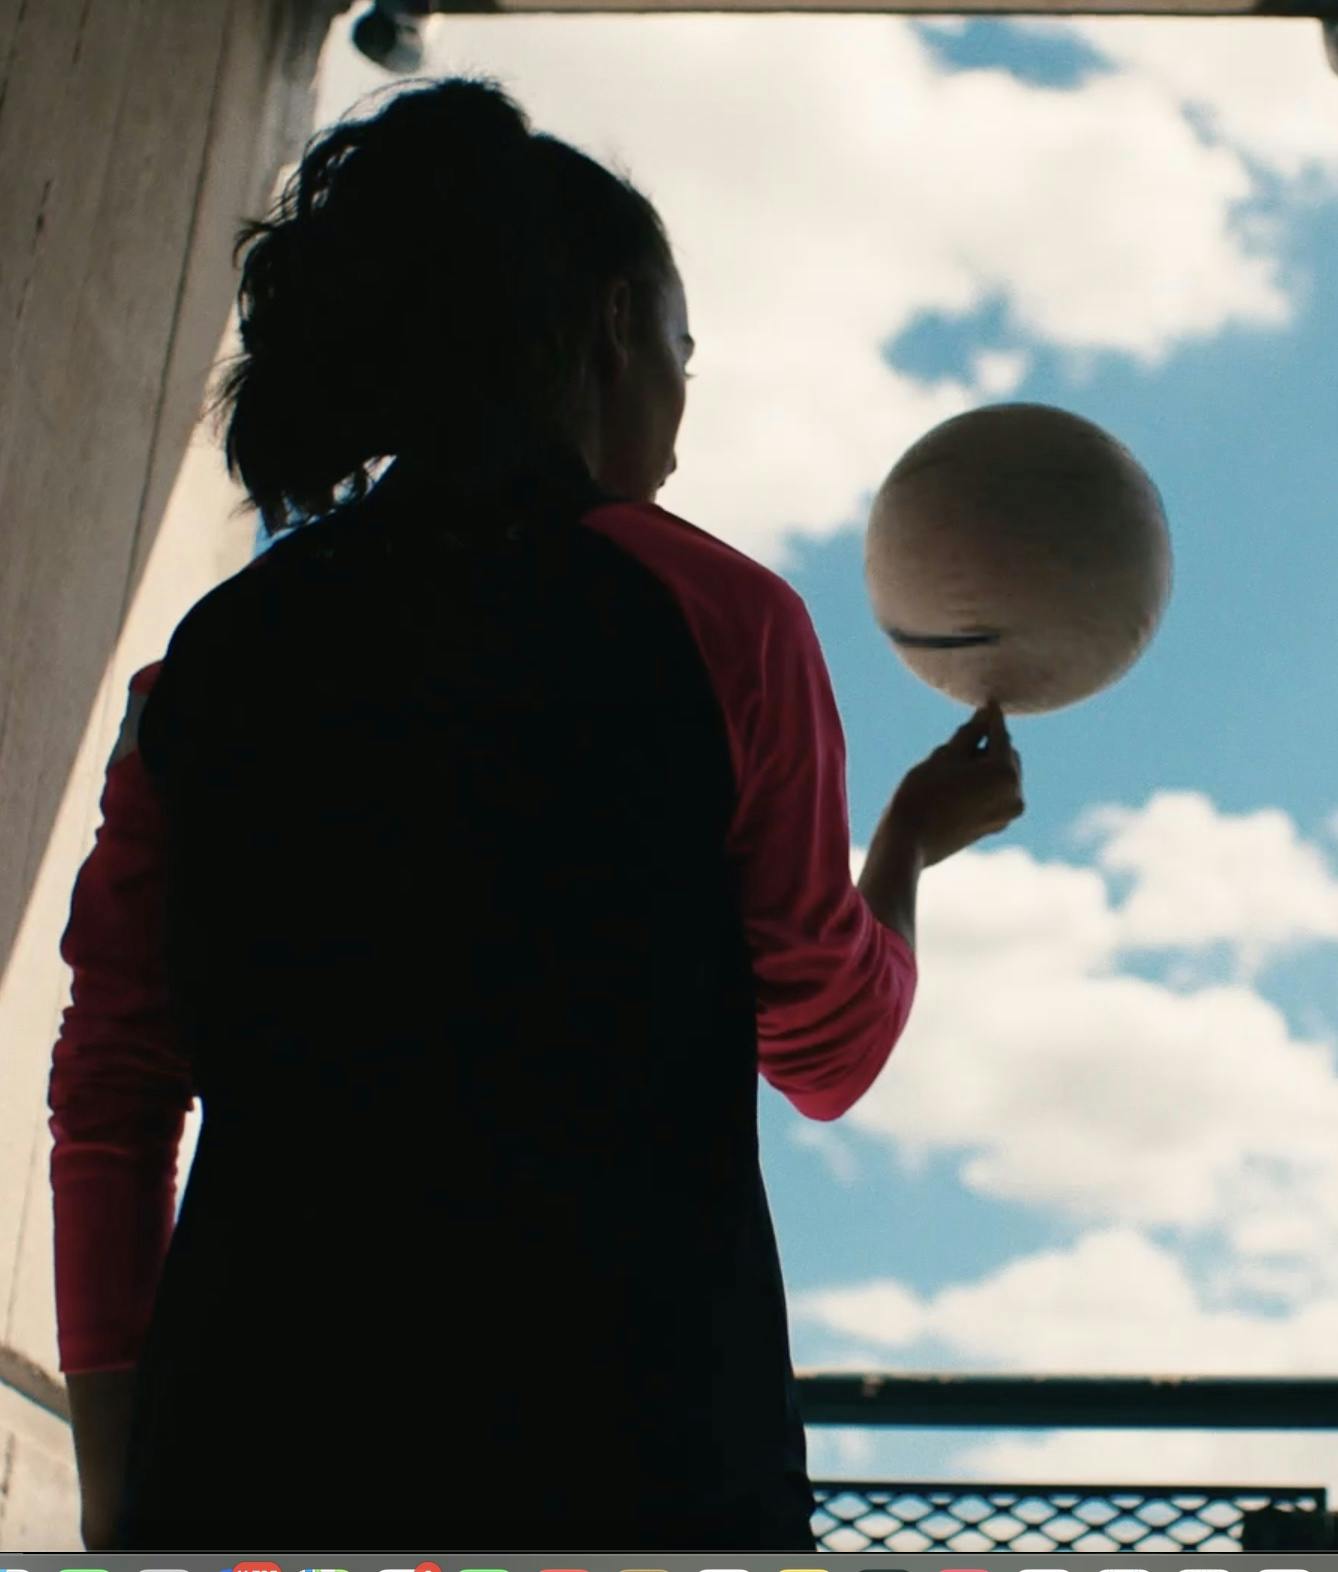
<point>834,985</point>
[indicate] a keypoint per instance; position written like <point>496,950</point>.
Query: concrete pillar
<point>134,137</point>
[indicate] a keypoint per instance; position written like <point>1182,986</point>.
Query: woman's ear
<point>616,335</point>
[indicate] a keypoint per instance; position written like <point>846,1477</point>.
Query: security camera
<point>391,35</point>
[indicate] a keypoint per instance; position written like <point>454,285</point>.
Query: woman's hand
<point>962,791</point>
<point>100,1408</point>
<point>97,1524</point>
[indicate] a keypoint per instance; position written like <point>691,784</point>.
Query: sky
<point>1107,1141</point>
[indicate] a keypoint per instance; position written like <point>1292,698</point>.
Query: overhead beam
<point>408,15</point>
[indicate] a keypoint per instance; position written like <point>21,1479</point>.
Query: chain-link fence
<point>859,1516</point>
<point>1037,1519</point>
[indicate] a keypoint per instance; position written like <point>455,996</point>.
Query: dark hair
<point>428,281</point>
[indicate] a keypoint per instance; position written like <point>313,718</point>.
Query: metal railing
<point>969,1515</point>
<point>909,1516</point>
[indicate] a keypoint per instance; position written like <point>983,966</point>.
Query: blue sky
<point>1232,700</point>
<point>1104,1142</point>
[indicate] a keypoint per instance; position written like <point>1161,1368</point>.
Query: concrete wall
<point>134,136</point>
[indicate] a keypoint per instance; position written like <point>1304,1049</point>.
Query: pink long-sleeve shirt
<point>834,987</point>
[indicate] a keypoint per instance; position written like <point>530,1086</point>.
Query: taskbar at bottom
<point>874,1560</point>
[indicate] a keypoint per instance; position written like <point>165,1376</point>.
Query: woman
<point>467,855</point>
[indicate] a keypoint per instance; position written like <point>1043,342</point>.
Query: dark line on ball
<point>941,641</point>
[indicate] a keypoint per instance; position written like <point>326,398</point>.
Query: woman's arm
<point>100,1406</point>
<point>118,1092</point>
<point>890,878</point>
<point>834,964</point>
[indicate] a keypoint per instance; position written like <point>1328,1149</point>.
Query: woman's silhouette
<point>467,855</point>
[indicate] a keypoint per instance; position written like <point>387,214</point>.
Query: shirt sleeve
<point>119,1090</point>
<point>834,987</point>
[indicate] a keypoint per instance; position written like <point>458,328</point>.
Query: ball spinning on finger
<point>1018,552</point>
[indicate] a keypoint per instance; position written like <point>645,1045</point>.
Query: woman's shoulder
<point>698,565</point>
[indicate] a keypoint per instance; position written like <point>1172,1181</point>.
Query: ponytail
<point>429,280</point>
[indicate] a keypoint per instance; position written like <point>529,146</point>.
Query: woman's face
<point>636,406</point>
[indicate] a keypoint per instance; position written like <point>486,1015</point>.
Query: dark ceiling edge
<point>1265,8</point>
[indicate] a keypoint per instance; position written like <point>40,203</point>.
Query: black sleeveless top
<point>475,1252</point>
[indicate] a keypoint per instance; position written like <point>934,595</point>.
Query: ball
<point>1019,553</point>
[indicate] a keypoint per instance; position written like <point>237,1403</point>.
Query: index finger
<point>996,730</point>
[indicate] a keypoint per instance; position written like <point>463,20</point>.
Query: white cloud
<point>826,181</point>
<point>835,1449</point>
<point>1287,1282</point>
<point>1062,1082</point>
<point>1267,92</point>
<point>997,372</point>
<point>850,1356</point>
<point>883,1312</point>
<point>1113,1303</point>
<point>1204,877</point>
<point>1194,1457</point>
<point>830,1145</point>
